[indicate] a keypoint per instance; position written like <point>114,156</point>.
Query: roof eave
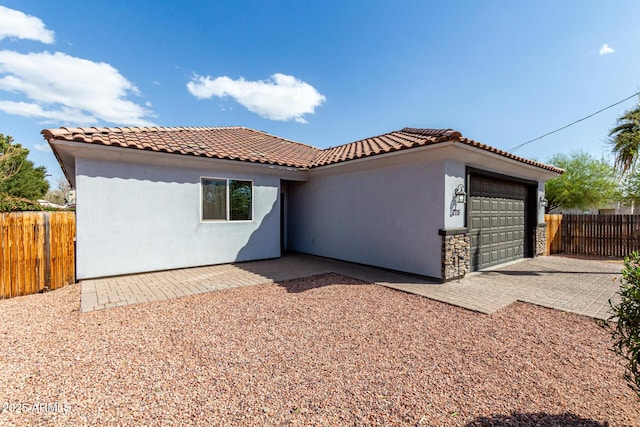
<point>546,169</point>
<point>83,149</point>
<point>70,180</point>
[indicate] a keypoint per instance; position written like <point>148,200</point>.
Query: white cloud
<point>43,147</point>
<point>35,111</point>
<point>606,49</point>
<point>69,90</point>
<point>14,23</point>
<point>282,97</point>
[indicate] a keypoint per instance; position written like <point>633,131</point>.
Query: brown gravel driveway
<point>323,351</point>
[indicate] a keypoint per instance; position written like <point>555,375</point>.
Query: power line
<point>517,147</point>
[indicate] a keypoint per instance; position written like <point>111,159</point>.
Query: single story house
<point>423,201</point>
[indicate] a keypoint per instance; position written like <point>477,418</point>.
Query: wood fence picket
<point>597,235</point>
<point>36,252</point>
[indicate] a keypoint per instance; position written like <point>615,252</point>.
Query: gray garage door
<point>497,221</point>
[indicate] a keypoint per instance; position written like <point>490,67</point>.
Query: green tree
<point>625,140</point>
<point>586,182</point>
<point>624,322</point>
<point>20,177</point>
<point>9,163</point>
<point>630,188</point>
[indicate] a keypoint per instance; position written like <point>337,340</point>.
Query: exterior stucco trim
<point>453,231</point>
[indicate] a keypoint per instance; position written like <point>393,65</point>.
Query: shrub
<point>10,203</point>
<point>624,322</point>
<point>17,204</point>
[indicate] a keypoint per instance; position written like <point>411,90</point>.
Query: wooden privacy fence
<point>598,235</point>
<point>36,252</point>
<point>554,234</point>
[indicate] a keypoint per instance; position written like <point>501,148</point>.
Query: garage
<point>498,221</point>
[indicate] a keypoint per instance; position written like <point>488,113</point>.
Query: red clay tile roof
<point>410,138</point>
<point>381,144</point>
<point>232,143</point>
<point>239,143</point>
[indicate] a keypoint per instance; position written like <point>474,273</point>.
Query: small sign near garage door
<point>497,221</point>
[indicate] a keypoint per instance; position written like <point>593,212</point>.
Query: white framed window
<point>226,199</point>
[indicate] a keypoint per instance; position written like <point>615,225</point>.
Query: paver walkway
<point>567,284</point>
<point>98,294</point>
<point>574,285</point>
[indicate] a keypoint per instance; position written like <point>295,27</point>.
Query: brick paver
<point>574,285</point>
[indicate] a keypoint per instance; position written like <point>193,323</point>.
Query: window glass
<point>214,199</point>
<point>240,200</point>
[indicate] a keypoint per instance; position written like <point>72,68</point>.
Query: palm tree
<point>625,138</point>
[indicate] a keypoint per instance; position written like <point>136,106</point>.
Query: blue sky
<point>323,73</point>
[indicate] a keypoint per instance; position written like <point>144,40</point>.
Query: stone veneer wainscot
<point>456,253</point>
<point>540,239</point>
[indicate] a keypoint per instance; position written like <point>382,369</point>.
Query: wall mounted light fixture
<point>461,196</point>
<point>543,202</point>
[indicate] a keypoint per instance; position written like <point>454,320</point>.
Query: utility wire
<point>517,147</point>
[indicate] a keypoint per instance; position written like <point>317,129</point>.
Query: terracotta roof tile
<point>242,144</point>
<point>233,143</point>
<point>409,138</point>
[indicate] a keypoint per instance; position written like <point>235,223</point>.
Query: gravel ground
<point>326,350</point>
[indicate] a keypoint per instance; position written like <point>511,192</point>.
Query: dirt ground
<point>326,350</point>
